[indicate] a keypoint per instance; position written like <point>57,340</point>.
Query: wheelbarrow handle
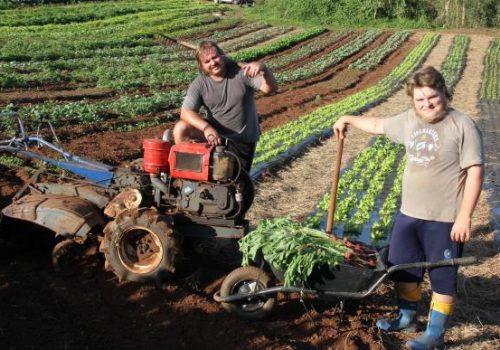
<point>344,294</point>
<point>470,260</point>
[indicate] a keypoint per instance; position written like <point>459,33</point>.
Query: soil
<point>91,309</point>
<point>36,96</point>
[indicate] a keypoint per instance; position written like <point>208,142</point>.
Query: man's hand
<point>461,230</point>
<point>212,135</point>
<point>340,127</point>
<point>269,83</point>
<point>253,69</point>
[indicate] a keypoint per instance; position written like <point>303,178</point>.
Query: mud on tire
<point>141,246</point>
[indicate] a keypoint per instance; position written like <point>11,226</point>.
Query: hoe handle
<point>194,47</point>
<point>180,42</point>
<point>335,185</point>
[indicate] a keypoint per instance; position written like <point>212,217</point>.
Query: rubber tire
<point>162,236</point>
<point>235,280</point>
<point>67,257</point>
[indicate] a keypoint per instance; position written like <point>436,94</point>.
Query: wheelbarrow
<point>250,293</point>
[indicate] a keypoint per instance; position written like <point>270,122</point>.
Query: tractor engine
<point>199,182</point>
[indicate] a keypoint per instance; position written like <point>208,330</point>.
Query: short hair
<point>427,77</point>
<point>205,46</point>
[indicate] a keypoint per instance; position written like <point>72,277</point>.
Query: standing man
<point>441,186</point>
<point>227,93</point>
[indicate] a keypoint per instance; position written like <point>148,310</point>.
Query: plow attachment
<point>69,217</point>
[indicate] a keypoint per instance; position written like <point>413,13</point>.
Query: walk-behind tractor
<point>141,214</point>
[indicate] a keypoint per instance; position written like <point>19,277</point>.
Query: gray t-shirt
<point>438,156</point>
<point>230,103</point>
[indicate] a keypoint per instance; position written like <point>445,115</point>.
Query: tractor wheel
<point>140,246</point>
<point>67,257</point>
<point>246,280</point>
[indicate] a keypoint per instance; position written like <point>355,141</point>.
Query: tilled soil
<point>292,101</point>
<point>92,309</point>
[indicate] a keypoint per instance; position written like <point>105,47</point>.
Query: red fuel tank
<point>156,153</point>
<point>190,161</point>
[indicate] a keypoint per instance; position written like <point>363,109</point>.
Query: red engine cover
<point>190,161</point>
<point>156,155</point>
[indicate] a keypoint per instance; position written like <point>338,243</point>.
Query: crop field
<point>106,76</point>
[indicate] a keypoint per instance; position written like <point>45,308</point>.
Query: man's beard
<point>433,119</point>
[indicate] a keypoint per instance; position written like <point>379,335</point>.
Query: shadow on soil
<point>92,309</point>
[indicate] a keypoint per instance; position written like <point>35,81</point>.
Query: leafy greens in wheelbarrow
<point>297,250</point>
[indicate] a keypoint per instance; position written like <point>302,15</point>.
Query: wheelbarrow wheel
<point>140,246</point>
<point>246,280</point>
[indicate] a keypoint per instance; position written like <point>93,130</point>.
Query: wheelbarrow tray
<point>341,277</point>
<point>344,278</point>
<point>347,281</point>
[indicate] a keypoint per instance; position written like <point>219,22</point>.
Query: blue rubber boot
<point>433,337</point>
<point>405,321</point>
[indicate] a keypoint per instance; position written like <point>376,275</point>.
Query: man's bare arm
<point>193,119</point>
<point>461,230</point>
<point>373,125</point>
<point>196,121</point>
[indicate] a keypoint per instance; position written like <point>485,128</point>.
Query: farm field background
<point>106,77</point>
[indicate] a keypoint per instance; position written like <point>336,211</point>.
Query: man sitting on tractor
<point>441,186</point>
<point>227,92</point>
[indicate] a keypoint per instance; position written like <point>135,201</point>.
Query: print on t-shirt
<point>423,146</point>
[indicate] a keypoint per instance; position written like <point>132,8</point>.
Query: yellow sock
<point>413,295</point>
<point>444,308</point>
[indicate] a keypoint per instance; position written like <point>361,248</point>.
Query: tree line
<point>422,13</point>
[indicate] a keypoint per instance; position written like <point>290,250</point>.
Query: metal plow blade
<point>70,217</point>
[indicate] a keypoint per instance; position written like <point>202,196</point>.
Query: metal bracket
<point>31,180</point>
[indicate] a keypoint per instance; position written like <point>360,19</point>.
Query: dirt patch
<point>471,76</point>
<point>11,181</point>
<point>36,96</point>
<point>93,310</point>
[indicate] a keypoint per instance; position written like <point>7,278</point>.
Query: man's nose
<point>427,103</point>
